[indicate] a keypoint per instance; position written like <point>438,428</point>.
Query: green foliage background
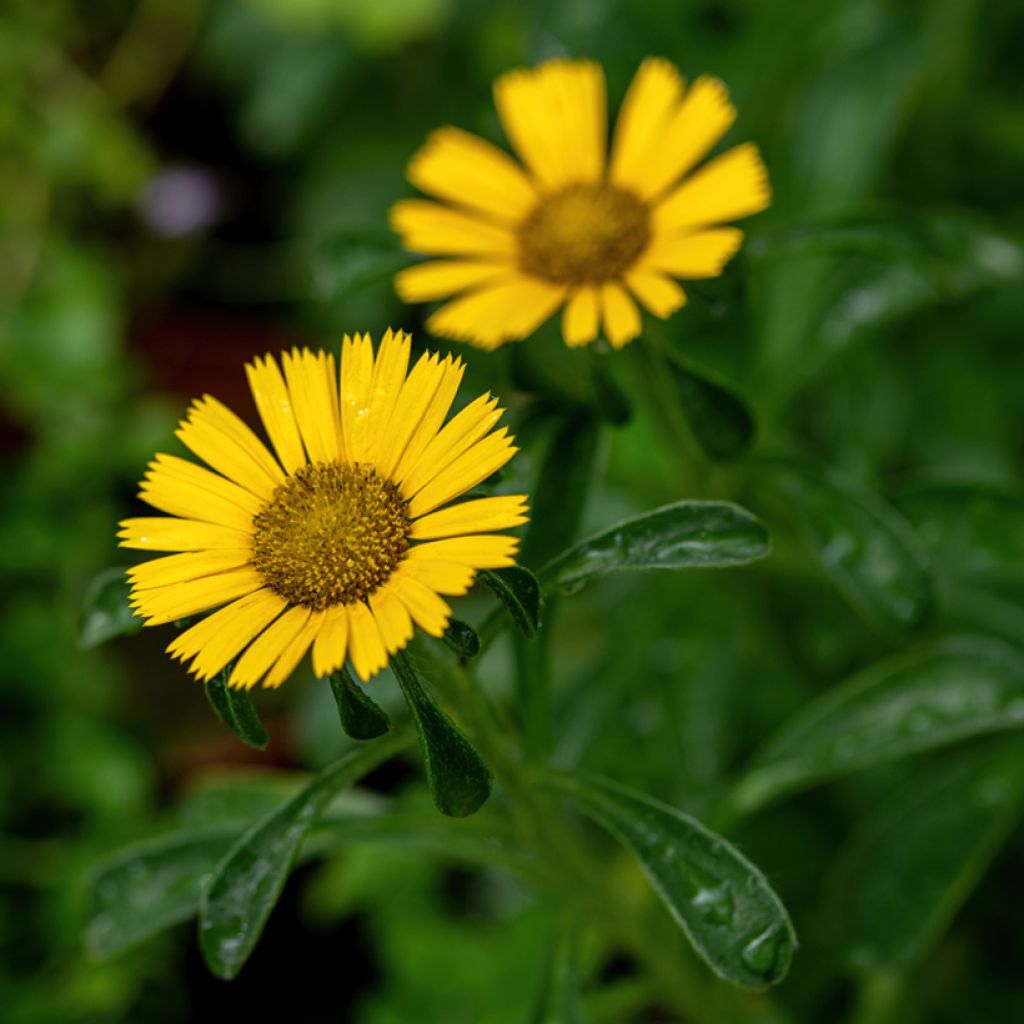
<point>846,711</point>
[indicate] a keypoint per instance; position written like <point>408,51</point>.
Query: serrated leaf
<point>863,544</point>
<point>719,418</point>
<point>459,781</point>
<point>722,902</point>
<point>922,852</point>
<point>686,535</point>
<point>236,711</point>
<point>106,611</point>
<point>360,717</point>
<point>461,638</point>
<point>519,591</point>
<point>935,695</point>
<point>247,882</point>
<point>562,487</point>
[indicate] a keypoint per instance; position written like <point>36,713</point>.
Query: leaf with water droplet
<point>106,612</point>
<point>247,882</point>
<point>722,902</point>
<point>686,535</point>
<point>921,852</point>
<point>459,781</point>
<point>361,717</point>
<point>236,711</point>
<point>519,591</point>
<point>863,544</point>
<point>934,695</point>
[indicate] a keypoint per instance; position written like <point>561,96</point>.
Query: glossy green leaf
<point>151,886</point>
<point>236,711</point>
<point>460,782</point>
<point>686,535</point>
<point>106,612</point>
<point>723,903</point>
<point>720,419</point>
<point>558,498</point>
<point>461,638</point>
<point>864,545</point>
<point>932,696</point>
<point>247,882</point>
<point>360,716</point>
<point>922,852</point>
<point>969,531</point>
<point>519,591</point>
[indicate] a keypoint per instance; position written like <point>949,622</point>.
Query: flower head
<point>341,542</point>
<point>571,227</point>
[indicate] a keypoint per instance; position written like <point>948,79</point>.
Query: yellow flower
<point>340,543</point>
<point>570,228</point>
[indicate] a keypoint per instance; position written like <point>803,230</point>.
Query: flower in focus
<point>342,542</point>
<point>571,227</point>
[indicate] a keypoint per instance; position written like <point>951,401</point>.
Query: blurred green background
<point>186,183</point>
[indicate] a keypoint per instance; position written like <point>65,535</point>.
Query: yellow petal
<point>274,405</point>
<point>162,572</point>
<point>213,641</point>
<point>427,609</point>
<point>506,311</point>
<point>465,170</point>
<point>183,499</point>
<point>431,228</point>
<point>554,116</point>
<point>660,294</point>
<point>365,647</point>
<point>481,551</point>
<point>264,651</point>
<point>436,575</point>
<point>652,99</point>
<point>392,617</point>
<point>581,317</point>
<point>331,643</point>
<point>463,430</point>
<point>477,516</point>
<point>699,255</point>
<point>294,651</point>
<point>437,279</point>
<point>731,186</point>
<point>473,465</point>
<point>388,377</point>
<point>311,385</point>
<point>171,468</point>
<point>166,604</point>
<point>356,378</point>
<point>163,533</point>
<point>620,315</point>
<point>413,400</point>
<point>703,117</point>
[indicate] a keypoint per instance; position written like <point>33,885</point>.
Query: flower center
<point>584,234</point>
<point>330,535</point>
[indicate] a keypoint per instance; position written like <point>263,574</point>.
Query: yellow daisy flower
<point>340,543</point>
<point>569,227</point>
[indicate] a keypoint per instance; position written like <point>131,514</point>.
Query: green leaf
<point>562,487</point>
<point>461,638</point>
<point>686,535</point>
<point>106,612</point>
<point>360,717</point>
<point>151,886</point>
<point>609,401</point>
<point>921,854</point>
<point>558,1001</point>
<point>355,257</point>
<point>519,591</point>
<point>938,694</point>
<point>722,902</point>
<point>720,419</point>
<point>236,711</point>
<point>236,904</point>
<point>863,544</point>
<point>459,781</point>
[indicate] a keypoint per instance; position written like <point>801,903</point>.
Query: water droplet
<point>714,903</point>
<point>761,952</point>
